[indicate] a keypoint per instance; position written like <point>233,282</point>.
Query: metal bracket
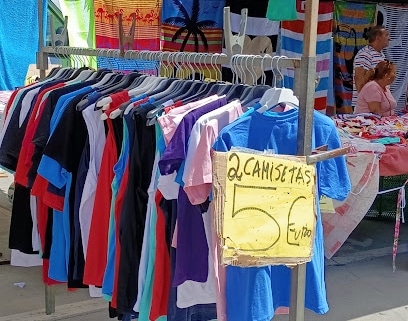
<point>62,37</point>
<point>234,43</point>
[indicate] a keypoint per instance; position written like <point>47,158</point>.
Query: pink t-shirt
<point>172,119</point>
<point>198,167</point>
<point>372,92</point>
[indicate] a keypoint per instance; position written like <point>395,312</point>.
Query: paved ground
<point>360,283</point>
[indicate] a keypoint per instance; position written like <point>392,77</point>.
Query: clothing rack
<point>305,76</point>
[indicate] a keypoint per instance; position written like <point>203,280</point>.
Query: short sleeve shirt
<point>367,58</point>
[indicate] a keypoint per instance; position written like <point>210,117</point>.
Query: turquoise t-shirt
<point>281,10</point>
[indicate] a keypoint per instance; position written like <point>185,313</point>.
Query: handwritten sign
<point>264,208</point>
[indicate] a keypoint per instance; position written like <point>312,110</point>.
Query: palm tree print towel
<point>192,25</point>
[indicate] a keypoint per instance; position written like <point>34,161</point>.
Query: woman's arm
<point>374,107</point>
<point>362,76</point>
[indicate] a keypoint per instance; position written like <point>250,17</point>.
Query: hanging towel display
<point>19,41</point>
<point>292,46</point>
<point>351,21</point>
<point>394,19</point>
<point>147,27</point>
<point>281,10</point>
<point>193,25</point>
<point>260,37</point>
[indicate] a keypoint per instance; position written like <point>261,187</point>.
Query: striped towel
<point>292,47</point>
<point>397,49</point>
<point>351,20</point>
<point>147,29</point>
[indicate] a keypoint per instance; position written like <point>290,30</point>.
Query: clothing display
<point>95,152</point>
<point>390,132</point>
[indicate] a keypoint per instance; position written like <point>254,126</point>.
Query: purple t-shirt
<point>176,150</point>
<point>192,248</point>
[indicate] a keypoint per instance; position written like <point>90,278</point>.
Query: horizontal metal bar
<point>320,156</point>
<point>265,62</point>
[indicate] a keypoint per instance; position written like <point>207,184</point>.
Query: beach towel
<point>292,46</point>
<point>350,24</point>
<point>394,19</point>
<point>147,29</point>
<point>192,25</point>
<point>19,34</point>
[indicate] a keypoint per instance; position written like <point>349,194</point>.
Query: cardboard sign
<point>265,208</point>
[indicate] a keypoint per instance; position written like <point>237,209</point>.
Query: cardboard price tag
<point>264,208</point>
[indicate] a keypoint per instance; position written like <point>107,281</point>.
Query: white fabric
<point>35,236</point>
<point>95,292</point>
<point>24,260</point>
<point>26,104</point>
<point>97,139</point>
<point>168,186</point>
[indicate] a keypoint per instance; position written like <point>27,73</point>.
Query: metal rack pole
<point>42,57</point>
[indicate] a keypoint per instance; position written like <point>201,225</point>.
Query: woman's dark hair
<point>382,69</point>
<point>379,71</point>
<point>373,32</point>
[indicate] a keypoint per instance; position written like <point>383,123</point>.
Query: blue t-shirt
<point>254,293</point>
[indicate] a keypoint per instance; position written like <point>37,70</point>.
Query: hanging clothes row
<point>113,180</point>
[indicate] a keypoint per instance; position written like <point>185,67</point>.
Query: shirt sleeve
<point>199,180</point>
<point>334,180</point>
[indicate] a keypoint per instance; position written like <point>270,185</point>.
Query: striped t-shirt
<point>368,58</point>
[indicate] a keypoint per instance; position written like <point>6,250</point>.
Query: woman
<point>375,96</point>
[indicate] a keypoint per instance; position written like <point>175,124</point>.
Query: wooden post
<point>49,299</point>
<point>304,140</point>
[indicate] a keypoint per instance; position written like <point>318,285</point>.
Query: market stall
<point>377,171</point>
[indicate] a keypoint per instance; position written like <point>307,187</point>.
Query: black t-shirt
<point>133,214</point>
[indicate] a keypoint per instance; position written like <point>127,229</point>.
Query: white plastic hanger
<point>270,94</point>
<point>285,94</point>
<point>278,95</point>
<point>104,80</point>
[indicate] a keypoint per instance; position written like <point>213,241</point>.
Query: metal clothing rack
<point>305,76</point>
